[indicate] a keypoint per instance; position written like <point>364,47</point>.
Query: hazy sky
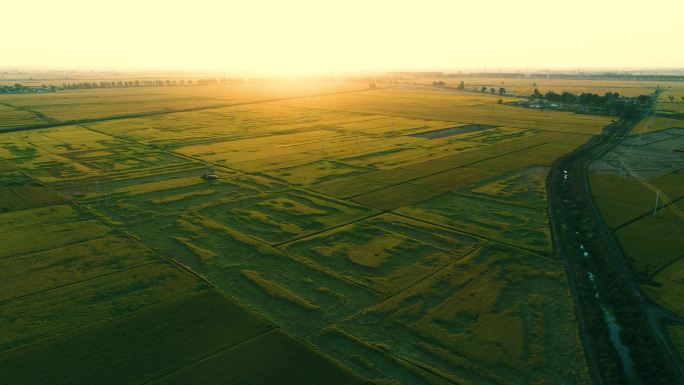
<point>298,37</point>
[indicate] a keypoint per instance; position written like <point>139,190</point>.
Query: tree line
<point>142,83</point>
<point>484,89</point>
<point>123,84</point>
<point>611,103</point>
<point>18,88</point>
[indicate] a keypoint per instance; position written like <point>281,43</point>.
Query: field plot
<point>140,197</point>
<point>43,157</point>
<point>130,158</point>
<point>491,309</point>
<point>657,124</point>
<point>646,156</point>
<point>445,105</point>
<point>14,145</point>
<point>43,270</point>
<point>449,131</point>
<point>17,193</point>
<point>100,103</point>
<point>651,243</point>
<point>72,307</point>
<point>162,338</point>
<point>72,152</point>
<point>395,196</point>
<point>12,118</point>
<point>526,188</point>
<point>677,335</point>
<point>667,115</point>
<point>385,253</point>
<point>229,123</point>
<point>455,169</point>
<point>261,277</point>
<point>54,168</point>
<point>621,199</point>
<point>388,154</point>
<point>205,334</point>
<point>316,173</point>
<point>285,215</point>
<point>391,125</point>
<point>63,270</point>
<point>58,226</point>
<point>258,154</point>
<point>253,363</point>
<point>71,139</point>
<point>670,292</point>
<point>522,226</point>
<point>303,145</point>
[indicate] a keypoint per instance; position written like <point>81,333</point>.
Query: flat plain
<point>393,234</point>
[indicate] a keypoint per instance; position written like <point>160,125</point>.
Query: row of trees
<point>492,90</point>
<point>124,84</point>
<point>18,88</point>
<point>611,103</point>
<point>142,83</point>
<point>672,98</point>
<point>484,89</point>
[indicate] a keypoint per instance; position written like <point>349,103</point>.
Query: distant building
<point>416,75</point>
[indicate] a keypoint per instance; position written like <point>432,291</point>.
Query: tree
<point>643,99</point>
<point>568,97</point>
<point>671,98</point>
<point>536,94</point>
<point>461,86</point>
<point>492,90</point>
<point>682,99</point>
<point>552,96</point>
<point>502,91</point>
<point>483,89</point>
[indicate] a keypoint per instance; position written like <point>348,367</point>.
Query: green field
<point>204,334</point>
<point>272,234</point>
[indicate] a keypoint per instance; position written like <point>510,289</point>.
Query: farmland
<point>638,188</point>
<point>395,234</point>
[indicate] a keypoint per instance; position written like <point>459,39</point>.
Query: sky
<point>302,37</point>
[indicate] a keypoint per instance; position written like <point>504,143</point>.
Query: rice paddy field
<point>639,189</point>
<point>324,233</point>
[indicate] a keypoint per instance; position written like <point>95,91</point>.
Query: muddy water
<point>613,326</point>
<point>622,349</point>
